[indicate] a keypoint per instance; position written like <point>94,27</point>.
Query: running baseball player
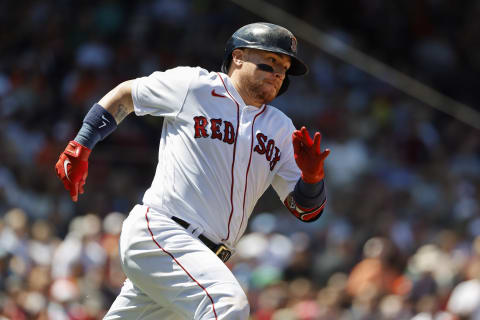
<point>222,146</point>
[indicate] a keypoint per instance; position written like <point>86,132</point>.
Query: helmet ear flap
<point>284,87</point>
<point>226,64</point>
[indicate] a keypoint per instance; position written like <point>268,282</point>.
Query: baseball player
<point>222,145</point>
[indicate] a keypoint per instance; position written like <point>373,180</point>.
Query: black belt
<point>219,249</point>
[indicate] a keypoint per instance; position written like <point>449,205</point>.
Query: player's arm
<point>308,199</point>
<point>118,102</point>
<point>100,121</point>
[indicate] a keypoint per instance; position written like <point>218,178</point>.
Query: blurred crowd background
<point>400,236</point>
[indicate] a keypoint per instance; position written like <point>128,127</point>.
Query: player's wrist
<point>97,125</point>
<point>76,150</point>
<point>312,178</point>
<point>310,190</point>
<point>309,195</point>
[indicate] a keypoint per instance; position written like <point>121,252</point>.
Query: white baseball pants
<point>172,275</point>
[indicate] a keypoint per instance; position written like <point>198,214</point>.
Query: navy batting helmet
<point>268,37</point>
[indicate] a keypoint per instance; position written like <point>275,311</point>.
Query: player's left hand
<point>308,155</point>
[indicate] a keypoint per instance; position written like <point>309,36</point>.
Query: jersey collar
<point>231,89</point>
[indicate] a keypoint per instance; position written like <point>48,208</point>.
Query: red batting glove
<point>72,168</point>
<point>308,156</point>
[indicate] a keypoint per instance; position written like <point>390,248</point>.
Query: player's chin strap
<point>307,201</point>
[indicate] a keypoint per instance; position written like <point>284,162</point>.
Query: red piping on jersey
<point>248,167</point>
<point>178,263</point>
<point>233,161</point>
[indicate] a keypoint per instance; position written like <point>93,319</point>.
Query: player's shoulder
<point>206,79</point>
<point>185,71</point>
<point>210,75</point>
<point>188,74</point>
<point>194,70</point>
<point>277,114</point>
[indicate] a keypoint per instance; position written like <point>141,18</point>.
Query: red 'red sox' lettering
<point>215,126</point>
<point>229,135</point>
<point>270,150</point>
<point>260,147</point>
<point>201,123</point>
<point>224,131</point>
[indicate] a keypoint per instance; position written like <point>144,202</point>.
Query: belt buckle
<point>223,253</point>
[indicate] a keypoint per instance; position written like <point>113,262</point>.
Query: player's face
<point>264,73</point>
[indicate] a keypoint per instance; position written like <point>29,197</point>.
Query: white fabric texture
<point>203,176</point>
<point>172,275</point>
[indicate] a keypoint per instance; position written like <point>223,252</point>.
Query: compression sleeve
<point>309,195</point>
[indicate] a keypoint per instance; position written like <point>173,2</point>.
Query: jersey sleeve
<point>288,173</point>
<point>163,92</point>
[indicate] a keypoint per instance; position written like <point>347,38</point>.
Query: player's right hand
<point>72,168</point>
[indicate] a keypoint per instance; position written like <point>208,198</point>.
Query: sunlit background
<point>399,238</point>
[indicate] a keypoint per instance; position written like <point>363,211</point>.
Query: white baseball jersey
<point>217,155</point>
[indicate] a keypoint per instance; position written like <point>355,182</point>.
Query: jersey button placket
<point>244,135</point>
<point>243,145</point>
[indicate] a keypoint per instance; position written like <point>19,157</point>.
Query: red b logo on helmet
<point>293,46</point>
